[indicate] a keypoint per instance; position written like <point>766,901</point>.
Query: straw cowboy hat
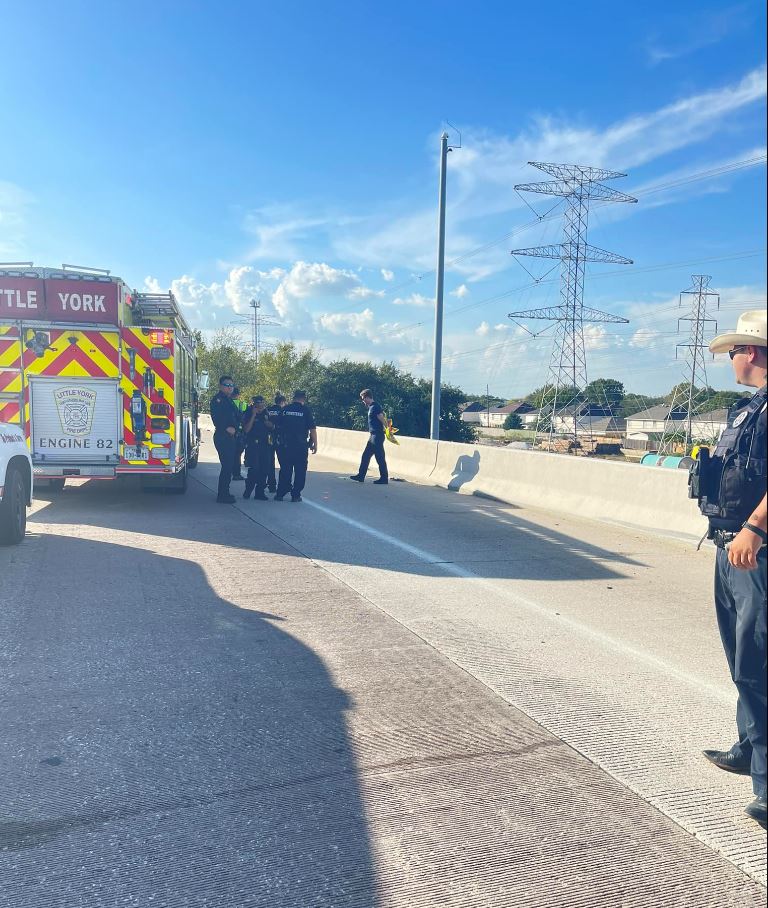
<point>751,329</point>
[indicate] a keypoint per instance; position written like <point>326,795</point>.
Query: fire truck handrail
<point>65,267</point>
<point>147,306</point>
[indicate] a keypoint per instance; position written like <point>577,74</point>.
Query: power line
<point>549,216</point>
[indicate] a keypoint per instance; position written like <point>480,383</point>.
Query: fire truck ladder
<point>153,308</point>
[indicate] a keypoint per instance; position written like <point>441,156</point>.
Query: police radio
<point>138,416</point>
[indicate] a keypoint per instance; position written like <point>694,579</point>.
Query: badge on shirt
<point>740,419</point>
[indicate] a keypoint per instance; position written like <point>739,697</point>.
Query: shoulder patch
<point>740,419</point>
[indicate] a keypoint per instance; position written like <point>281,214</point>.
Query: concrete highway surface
<point>381,696</point>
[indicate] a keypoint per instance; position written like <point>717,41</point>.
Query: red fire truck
<point>102,379</point>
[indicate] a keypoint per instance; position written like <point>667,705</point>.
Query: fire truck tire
<point>177,485</point>
<point>13,509</point>
<point>192,462</point>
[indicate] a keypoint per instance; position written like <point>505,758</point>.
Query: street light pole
<point>255,305</point>
<point>434,433</point>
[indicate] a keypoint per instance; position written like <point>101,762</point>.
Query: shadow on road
<point>158,740</point>
<point>486,537</point>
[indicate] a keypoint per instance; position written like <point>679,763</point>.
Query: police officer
<point>226,420</point>
<point>273,414</point>
<point>375,446</point>
<point>731,488</point>
<point>298,435</point>
<point>241,406</point>
<point>256,431</point>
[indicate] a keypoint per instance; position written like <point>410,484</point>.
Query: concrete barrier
<point>645,498</point>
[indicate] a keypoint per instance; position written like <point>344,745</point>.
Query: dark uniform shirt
<point>274,413</point>
<point>224,413</point>
<point>734,482</point>
<point>258,434</point>
<point>375,426</point>
<point>294,423</point>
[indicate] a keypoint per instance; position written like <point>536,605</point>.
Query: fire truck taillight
<point>160,424</point>
<point>161,453</point>
<point>160,337</point>
<point>160,409</point>
<point>161,438</point>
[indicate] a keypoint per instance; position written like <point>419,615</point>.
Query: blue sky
<point>289,152</point>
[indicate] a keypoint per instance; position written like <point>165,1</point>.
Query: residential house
<point>581,418</point>
<point>646,428</point>
<point>495,417</point>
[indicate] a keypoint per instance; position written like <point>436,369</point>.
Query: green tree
<point>636,403</point>
<point>286,368</point>
<point>545,395</point>
<point>513,421</point>
<point>723,399</point>
<point>607,392</point>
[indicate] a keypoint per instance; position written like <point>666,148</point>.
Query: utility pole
<point>434,432</point>
<point>255,305</point>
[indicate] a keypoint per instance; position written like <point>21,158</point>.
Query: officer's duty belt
<point>722,538</point>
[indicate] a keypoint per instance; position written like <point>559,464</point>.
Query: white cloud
<point>643,337</point>
<point>483,329</point>
<point>387,274</point>
<point>361,293</point>
<point>704,30</point>
<point>352,324</point>
<point>415,299</point>
<point>280,231</point>
<point>461,291</point>
<point>595,338</point>
<point>483,174</point>
<point>310,283</point>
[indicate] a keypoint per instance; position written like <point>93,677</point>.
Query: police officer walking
<point>731,488</point>
<point>256,429</point>
<point>298,435</point>
<point>226,420</point>
<point>375,445</point>
<point>273,414</point>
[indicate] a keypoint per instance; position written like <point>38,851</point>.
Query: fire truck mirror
<point>203,381</point>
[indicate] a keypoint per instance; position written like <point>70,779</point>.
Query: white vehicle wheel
<point>13,509</point>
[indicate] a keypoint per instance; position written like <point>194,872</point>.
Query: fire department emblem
<point>75,407</point>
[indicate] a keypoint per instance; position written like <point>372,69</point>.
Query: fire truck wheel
<point>13,509</point>
<point>192,462</point>
<point>177,485</point>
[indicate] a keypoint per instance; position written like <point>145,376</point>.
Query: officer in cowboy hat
<point>731,488</point>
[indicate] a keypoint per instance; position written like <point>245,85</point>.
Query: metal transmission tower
<point>689,397</point>
<point>568,367</point>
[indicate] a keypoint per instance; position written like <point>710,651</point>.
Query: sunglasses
<point>227,384</point>
<point>736,350</point>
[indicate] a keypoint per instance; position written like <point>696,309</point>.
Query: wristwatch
<point>756,530</point>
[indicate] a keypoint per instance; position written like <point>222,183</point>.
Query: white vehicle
<point>15,484</point>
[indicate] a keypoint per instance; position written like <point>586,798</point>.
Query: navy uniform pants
<point>374,448</point>
<point>271,469</point>
<point>257,461</point>
<point>294,460</point>
<point>225,448</point>
<point>741,616</point>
